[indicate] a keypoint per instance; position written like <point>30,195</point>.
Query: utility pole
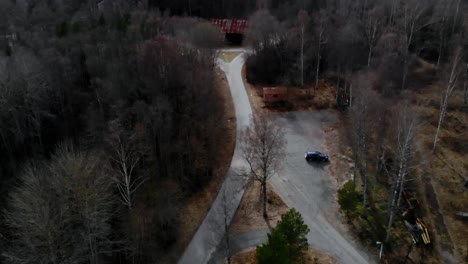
<point>381,249</point>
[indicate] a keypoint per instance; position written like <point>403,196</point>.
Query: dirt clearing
<point>312,257</point>
<point>249,215</point>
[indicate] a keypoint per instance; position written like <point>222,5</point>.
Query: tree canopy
<point>286,241</point>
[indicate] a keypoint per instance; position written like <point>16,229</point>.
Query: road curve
<point>304,186</point>
<point>307,186</point>
<point>211,231</point>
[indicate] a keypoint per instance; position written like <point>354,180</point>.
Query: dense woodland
<point>108,110</point>
<point>108,124</point>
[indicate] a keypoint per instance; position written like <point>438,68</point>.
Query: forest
<point>399,69</point>
<point>109,109</point>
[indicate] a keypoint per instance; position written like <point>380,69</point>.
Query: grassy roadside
<point>228,56</point>
<point>443,178</point>
<point>196,209</point>
<point>312,257</point>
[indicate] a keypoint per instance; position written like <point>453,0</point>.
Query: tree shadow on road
<point>318,165</point>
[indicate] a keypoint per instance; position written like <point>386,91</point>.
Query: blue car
<point>315,156</point>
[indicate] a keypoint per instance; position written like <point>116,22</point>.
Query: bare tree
<point>264,30</point>
<point>360,127</point>
<point>455,71</point>
<point>302,18</point>
<point>263,146</point>
<point>411,22</point>
<point>123,163</point>
<point>207,37</point>
<point>61,211</point>
<point>81,179</point>
<point>406,129</point>
<point>322,37</point>
<point>373,22</point>
<point>33,222</point>
<point>442,16</point>
<point>393,6</point>
<point>465,81</point>
<point>455,18</point>
<point>226,225</point>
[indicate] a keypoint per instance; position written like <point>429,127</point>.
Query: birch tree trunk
<point>302,57</point>
<point>372,27</point>
<point>124,164</point>
<point>411,15</point>
<point>465,93</point>
<point>321,40</point>
<point>303,19</point>
<point>226,225</point>
<point>457,9</point>
<point>451,84</point>
<point>264,198</point>
<point>406,132</point>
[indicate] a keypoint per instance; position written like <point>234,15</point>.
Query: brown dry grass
<point>245,257</point>
<point>228,56</point>
<point>447,168</point>
<point>249,215</point>
<point>313,256</point>
<point>299,99</point>
<point>197,207</point>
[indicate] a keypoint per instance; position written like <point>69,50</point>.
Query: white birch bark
<point>451,84</point>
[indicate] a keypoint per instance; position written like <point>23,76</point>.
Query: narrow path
<point>211,231</point>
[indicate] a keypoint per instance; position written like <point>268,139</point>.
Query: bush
<point>276,250</point>
<point>286,242</point>
<point>350,200</point>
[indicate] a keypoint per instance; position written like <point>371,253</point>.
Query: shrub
<point>286,242</point>
<point>349,200</point>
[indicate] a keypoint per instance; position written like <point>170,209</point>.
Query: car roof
<point>313,152</point>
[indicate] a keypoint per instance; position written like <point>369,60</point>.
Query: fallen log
<point>461,214</point>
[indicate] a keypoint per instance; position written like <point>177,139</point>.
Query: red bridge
<point>231,26</point>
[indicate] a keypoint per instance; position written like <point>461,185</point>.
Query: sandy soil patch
<point>228,56</point>
<point>312,257</point>
<point>249,215</point>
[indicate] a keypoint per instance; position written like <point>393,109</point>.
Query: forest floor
<point>312,257</point>
<point>198,206</point>
<point>249,216</point>
<point>443,180</point>
<point>299,99</point>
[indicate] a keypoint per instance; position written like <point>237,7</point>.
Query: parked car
<point>316,156</point>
